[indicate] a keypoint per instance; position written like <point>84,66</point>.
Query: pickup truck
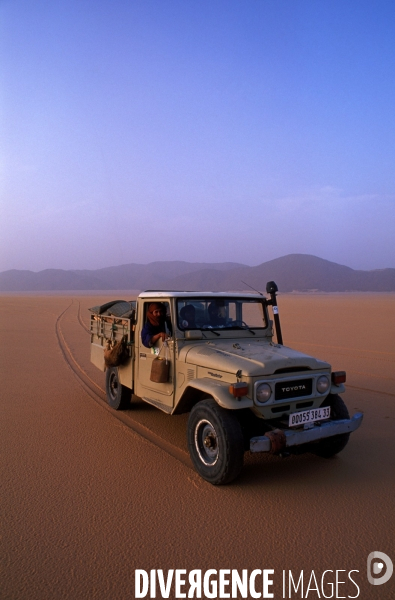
<point>244,389</point>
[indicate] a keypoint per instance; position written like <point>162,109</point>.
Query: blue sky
<point>198,130</point>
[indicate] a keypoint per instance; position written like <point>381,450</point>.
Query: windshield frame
<point>224,323</point>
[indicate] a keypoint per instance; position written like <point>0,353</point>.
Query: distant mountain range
<point>294,272</point>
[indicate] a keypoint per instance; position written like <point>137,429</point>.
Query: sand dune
<point>90,495</point>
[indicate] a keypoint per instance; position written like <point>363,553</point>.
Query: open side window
<point>165,310</point>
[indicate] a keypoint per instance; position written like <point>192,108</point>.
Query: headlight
<point>263,393</point>
<point>322,384</point>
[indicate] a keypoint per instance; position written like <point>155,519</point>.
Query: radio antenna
<point>250,286</point>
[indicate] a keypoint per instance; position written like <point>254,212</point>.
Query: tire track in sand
<point>81,320</point>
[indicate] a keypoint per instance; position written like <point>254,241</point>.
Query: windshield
<point>220,313</point>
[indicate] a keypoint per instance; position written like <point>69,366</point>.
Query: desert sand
<point>88,494</point>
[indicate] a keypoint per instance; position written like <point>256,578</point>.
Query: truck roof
<point>174,294</point>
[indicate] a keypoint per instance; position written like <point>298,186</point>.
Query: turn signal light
<point>238,389</point>
<point>338,377</point>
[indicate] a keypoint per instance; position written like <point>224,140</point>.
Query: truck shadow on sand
<point>307,470</point>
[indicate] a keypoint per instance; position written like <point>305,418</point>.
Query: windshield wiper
<point>209,328</point>
<point>242,325</point>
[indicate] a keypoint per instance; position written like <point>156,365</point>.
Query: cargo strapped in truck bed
<point>116,308</point>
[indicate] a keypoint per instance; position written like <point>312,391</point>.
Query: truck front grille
<point>293,389</point>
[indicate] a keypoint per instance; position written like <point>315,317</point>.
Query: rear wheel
<point>330,446</point>
<point>215,442</point>
<point>118,396</point>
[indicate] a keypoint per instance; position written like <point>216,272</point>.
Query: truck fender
<point>337,389</point>
<point>204,387</point>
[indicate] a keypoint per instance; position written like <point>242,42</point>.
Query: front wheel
<point>330,446</point>
<point>215,442</point>
<point>118,396</point>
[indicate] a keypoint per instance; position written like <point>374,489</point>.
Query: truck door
<point>159,394</point>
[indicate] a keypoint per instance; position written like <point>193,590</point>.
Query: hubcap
<point>113,386</point>
<point>206,442</point>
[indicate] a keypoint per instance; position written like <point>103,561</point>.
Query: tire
<point>118,396</point>
<point>215,442</point>
<point>333,445</point>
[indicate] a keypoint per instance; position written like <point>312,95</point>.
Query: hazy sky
<point>198,130</point>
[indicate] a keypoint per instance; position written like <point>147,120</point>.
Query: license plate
<point>309,416</point>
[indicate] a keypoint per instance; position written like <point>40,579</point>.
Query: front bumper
<point>297,437</point>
